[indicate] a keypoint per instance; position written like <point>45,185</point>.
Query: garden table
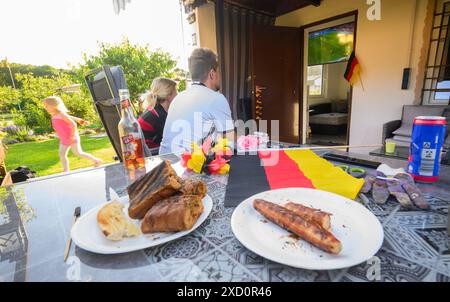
<point>35,221</point>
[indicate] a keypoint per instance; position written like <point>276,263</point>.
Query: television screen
<point>331,45</point>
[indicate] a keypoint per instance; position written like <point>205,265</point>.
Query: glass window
<point>315,80</point>
<point>436,87</point>
<point>443,91</point>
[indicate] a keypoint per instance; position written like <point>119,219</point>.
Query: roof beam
<point>314,2</point>
<point>288,6</point>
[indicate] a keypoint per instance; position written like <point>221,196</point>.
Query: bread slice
<point>177,213</point>
<point>113,223</point>
<point>158,184</point>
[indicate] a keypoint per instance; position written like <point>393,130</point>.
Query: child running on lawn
<point>67,130</point>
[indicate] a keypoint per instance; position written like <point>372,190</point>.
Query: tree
<point>140,64</point>
<point>35,83</point>
<point>16,68</point>
<point>9,98</point>
<point>35,89</point>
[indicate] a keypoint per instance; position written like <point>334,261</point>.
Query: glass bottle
<point>130,134</point>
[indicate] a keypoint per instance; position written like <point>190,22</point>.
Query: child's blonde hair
<point>160,90</point>
<point>57,103</point>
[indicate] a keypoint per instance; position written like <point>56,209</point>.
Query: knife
<point>76,214</point>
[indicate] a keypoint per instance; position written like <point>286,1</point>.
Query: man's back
<point>191,117</point>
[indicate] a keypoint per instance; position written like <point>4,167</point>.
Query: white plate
<point>359,231</point>
<point>87,235</point>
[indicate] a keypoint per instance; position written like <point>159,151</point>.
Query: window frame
<point>436,51</point>
<point>324,92</point>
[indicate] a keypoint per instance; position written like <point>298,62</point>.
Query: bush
<point>31,138</point>
<point>36,118</point>
<point>9,98</point>
<point>87,131</point>
<point>10,130</point>
<point>10,141</point>
<point>140,64</point>
<point>3,134</point>
<point>34,90</point>
<point>20,134</point>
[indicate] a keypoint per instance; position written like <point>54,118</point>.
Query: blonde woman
<point>152,121</point>
<point>67,130</point>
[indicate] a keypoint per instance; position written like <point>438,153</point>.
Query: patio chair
<point>399,131</point>
<point>104,84</point>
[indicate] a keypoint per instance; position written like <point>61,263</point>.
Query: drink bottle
<point>130,134</point>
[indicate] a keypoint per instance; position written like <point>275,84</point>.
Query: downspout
<point>412,33</point>
<point>407,71</point>
<point>425,51</point>
<point>220,37</point>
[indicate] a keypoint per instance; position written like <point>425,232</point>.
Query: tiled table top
<point>416,246</point>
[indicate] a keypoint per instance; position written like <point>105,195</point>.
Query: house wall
<point>383,49</point>
<point>201,32</point>
<point>206,26</point>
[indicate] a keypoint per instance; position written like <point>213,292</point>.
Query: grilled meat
<point>158,184</point>
<point>177,213</point>
<point>321,218</point>
<point>304,228</point>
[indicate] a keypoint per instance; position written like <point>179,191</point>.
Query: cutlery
<point>76,214</point>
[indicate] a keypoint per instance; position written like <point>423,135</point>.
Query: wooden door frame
<point>302,66</point>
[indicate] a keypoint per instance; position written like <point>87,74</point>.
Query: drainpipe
<point>407,70</point>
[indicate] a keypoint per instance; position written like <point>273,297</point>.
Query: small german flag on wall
<point>353,69</point>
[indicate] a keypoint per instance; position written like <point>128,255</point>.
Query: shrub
<point>10,141</point>
<point>11,130</point>
<point>31,138</point>
<point>34,90</point>
<point>18,133</point>
<point>9,98</point>
<point>3,134</point>
<point>87,131</point>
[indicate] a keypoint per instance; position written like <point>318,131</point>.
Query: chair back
<point>104,84</point>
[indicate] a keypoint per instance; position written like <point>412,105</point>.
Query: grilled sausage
<point>321,218</point>
<point>304,228</point>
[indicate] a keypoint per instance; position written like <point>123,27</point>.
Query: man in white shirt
<point>200,110</point>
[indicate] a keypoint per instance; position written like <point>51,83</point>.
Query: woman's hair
<point>160,90</point>
<point>57,103</point>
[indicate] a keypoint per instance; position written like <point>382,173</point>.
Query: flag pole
<point>362,84</point>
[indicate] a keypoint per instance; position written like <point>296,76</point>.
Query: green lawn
<point>43,158</point>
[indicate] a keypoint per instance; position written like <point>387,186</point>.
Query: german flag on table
<point>270,170</point>
<point>353,69</point>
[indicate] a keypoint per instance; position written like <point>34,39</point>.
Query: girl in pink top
<point>67,131</point>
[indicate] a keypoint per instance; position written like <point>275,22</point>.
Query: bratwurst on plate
<point>304,228</point>
<point>320,217</point>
